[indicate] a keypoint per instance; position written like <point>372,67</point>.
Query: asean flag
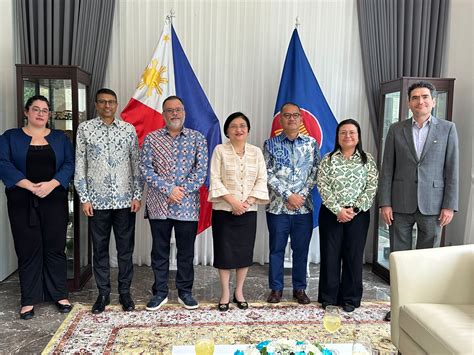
<point>169,73</point>
<point>299,85</point>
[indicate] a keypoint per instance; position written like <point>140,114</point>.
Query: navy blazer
<point>14,144</point>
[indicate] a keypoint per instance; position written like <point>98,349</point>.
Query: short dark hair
<point>105,91</point>
<point>232,117</point>
<point>358,147</point>
<point>422,84</point>
<point>172,97</point>
<point>32,99</point>
<point>287,104</point>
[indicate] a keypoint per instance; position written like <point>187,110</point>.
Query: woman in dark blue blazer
<point>36,166</point>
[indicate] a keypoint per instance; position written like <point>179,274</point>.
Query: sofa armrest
<point>439,275</point>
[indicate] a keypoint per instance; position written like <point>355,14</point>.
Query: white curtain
<point>237,50</point>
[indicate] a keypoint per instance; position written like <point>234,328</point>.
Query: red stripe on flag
<point>205,212</point>
<point>144,118</point>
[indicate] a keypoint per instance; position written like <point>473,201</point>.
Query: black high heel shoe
<point>240,305</point>
<point>28,314</point>
<point>63,308</point>
<point>223,307</point>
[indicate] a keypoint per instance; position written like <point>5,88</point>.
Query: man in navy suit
<point>419,180</point>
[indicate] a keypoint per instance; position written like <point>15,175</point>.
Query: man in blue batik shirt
<point>292,162</point>
<point>110,188</point>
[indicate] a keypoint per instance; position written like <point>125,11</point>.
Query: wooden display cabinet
<point>67,89</point>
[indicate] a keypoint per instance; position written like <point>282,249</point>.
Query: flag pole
<point>170,16</point>
<point>297,22</point>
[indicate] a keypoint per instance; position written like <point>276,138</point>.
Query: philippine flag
<point>299,85</point>
<point>169,73</point>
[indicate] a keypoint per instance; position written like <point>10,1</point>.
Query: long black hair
<point>358,147</point>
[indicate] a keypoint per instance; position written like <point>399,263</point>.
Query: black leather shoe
<point>347,307</point>
<point>100,303</point>
<point>240,304</point>
<point>388,317</point>
<point>63,308</point>
<point>126,301</point>
<point>274,296</point>
<point>28,314</point>
<point>301,297</point>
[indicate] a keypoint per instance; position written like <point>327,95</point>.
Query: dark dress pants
<point>341,242</point>
<point>39,234</point>
<point>100,226</point>
<point>185,235</point>
<point>299,227</point>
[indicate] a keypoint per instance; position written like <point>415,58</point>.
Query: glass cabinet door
<point>391,114</point>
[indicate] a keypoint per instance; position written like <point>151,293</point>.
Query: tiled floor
<point>19,336</point>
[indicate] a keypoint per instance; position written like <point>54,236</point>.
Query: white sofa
<point>432,300</point>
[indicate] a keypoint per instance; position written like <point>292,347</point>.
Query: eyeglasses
<point>241,126</point>
<point>170,111</point>
<point>347,133</point>
<point>288,116</point>
<point>105,102</point>
<point>38,110</point>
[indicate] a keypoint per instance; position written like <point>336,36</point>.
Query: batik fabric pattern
<point>292,166</point>
<point>168,162</point>
<point>107,158</point>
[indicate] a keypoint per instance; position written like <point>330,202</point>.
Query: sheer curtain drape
<point>237,50</point>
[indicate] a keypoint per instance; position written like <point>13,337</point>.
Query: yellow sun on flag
<point>152,78</point>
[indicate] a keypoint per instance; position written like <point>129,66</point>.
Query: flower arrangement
<point>283,347</point>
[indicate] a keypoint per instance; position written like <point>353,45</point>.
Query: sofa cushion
<point>440,328</point>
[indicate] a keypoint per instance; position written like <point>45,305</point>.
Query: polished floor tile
<point>19,336</point>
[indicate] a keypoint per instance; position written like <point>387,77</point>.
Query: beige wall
<point>459,64</point>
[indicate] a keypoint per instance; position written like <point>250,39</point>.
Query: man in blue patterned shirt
<point>108,182</point>
<point>174,167</point>
<point>292,162</point>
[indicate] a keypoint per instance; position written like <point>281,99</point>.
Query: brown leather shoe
<point>301,297</point>
<point>274,296</point>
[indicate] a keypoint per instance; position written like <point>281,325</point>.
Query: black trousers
<point>39,234</point>
<point>341,242</point>
<point>185,235</point>
<point>100,226</point>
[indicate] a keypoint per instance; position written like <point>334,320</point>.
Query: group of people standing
<point>37,164</point>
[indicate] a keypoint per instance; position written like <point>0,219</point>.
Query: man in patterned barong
<point>108,182</point>
<point>174,167</point>
<point>292,162</point>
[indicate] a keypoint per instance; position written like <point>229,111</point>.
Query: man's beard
<point>175,124</point>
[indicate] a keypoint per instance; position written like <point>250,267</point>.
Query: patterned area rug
<point>115,331</point>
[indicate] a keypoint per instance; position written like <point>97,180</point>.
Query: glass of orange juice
<point>204,346</point>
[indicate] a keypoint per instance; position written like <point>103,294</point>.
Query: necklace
<point>242,152</point>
